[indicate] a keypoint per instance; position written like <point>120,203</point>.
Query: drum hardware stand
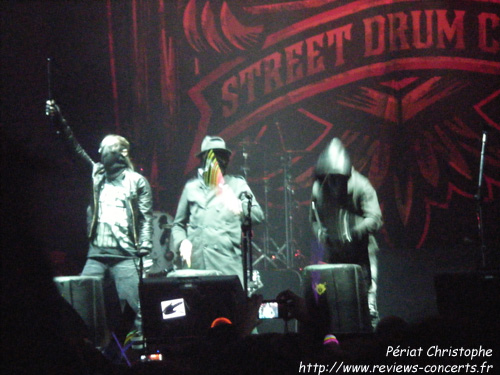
<point>264,253</point>
<point>286,250</point>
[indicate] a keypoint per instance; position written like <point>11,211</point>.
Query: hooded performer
<point>345,214</point>
<point>119,216</point>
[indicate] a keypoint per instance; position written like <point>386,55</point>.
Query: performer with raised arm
<point>345,215</point>
<point>119,216</point>
<point>207,229</point>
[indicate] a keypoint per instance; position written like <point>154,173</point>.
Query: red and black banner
<point>411,87</point>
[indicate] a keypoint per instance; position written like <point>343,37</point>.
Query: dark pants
<point>125,275</point>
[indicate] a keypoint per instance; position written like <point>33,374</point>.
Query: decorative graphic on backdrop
<point>407,85</point>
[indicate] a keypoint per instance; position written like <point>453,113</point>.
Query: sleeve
<point>316,225</point>
<point>71,140</point>
<point>370,208</point>
<point>257,213</point>
<point>256,209</point>
<point>145,202</point>
<point>179,227</point>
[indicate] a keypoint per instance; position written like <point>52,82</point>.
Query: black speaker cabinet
<point>470,295</point>
<point>276,281</point>
<point>180,309</point>
<point>337,295</point>
<point>85,295</point>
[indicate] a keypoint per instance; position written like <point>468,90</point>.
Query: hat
<point>213,143</point>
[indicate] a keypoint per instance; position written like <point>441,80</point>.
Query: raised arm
<point>54,112</point>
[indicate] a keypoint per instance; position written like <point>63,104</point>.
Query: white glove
<point>186,249</point>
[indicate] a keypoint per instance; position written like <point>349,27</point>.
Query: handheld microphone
<point>245,194</point>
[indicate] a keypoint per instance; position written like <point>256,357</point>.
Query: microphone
<point>245,194</point>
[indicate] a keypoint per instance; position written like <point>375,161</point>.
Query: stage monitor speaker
<point>470,295</point>
<point>337,294</point>
<point>179,309</point>
<point>194,273</point>
<point>85,295</point>
<point>276,281</point>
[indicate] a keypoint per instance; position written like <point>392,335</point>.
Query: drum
<point>160,260</point>
<point>338,296</point>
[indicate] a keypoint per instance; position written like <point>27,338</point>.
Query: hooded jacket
<point>347,224</point>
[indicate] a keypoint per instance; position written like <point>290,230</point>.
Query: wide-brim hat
<point>213,143</point>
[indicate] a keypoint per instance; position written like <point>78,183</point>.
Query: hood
<point>333,160</point>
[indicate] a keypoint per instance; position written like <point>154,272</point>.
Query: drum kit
<point>160,261</point>
<point>270,255</point>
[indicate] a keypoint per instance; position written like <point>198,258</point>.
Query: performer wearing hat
<point>207,228</point>
<point>345,215</point>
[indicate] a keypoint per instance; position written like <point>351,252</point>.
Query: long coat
<point>214,230</point>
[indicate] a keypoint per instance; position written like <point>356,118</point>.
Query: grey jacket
<point>360,217</point>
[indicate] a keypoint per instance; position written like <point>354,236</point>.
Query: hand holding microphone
<point>245,195</point>
<point>53,111</point>
<point>246,202</point>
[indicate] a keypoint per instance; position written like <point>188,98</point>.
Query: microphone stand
<point>49,91</point>
<point>247,245</point>
<point>479,199</point>
<point>141,270</point>
<point>49,78</point>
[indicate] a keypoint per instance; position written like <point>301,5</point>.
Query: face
<point>222,159</point>
<point>336,185</point>
<point>110,145</point>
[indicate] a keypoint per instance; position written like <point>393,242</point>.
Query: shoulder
<point>358,177</point>
<point>236,182</point>
<point>193,182</point>
<point>97,168</point>
<point>235,179</point>
<point>359,181</point>
<point>192,185</point>
<point>136,177</point>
